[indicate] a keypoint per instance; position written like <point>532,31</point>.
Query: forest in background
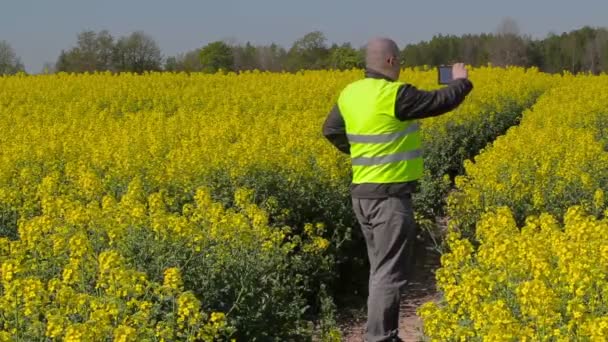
<point>581,50</point>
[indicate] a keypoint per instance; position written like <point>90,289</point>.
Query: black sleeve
<point>412,103</point>
<point>335,131</point>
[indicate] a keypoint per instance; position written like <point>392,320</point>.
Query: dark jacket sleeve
<point>334,130</point>
<point>412,103</point>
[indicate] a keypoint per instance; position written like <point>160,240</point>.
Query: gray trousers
<point>389,229</point>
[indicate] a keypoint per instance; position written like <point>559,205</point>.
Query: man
<point>375,121</point>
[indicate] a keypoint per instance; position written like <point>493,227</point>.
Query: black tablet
<point>445,74</point>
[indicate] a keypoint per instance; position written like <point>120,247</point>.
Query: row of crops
<point>528,256</point>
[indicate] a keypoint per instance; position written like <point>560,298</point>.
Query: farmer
<point>376,121</point>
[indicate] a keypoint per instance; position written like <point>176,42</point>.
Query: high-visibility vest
<point>383,148</point>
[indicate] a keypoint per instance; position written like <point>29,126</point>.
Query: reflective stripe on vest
<point>388,158</point>
<point>382,138</point>
<point>383,148</point>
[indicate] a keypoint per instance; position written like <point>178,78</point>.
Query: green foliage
<point>171,64</point>
<point>345,57</point>
<point>9,62</point>
<point>329,331</point>
<point>546,176</point>
<point>308,52</point>
<point>94,51</point>
<point>260,290</point>
<point>445,153</point>
<point>310,199</point>
<point>244,57</point>
<point>215,56</point>
<point>583,50</point>
<point>187,62</point>
<point>137,52</point>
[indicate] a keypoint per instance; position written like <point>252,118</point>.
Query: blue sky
<point>38,30</point>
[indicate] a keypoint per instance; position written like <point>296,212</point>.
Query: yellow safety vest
<point>383,148</point>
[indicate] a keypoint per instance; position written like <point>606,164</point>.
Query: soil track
<point>421,289</point>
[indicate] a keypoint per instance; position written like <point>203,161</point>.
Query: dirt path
<point>421,290</point>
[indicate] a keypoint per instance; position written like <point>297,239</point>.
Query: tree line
<point>582,50</point>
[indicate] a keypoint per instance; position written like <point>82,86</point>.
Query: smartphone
<point>445,74</point>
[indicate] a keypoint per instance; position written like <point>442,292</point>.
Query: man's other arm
<point>412,103</point>
<point>335,131</point>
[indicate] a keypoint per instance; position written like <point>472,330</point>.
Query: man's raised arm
<point>412,103</point>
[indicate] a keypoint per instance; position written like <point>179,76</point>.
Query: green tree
<point>345,57</point>
<point>137,52</point>
<point>582,50</point>
<point>308,52</point>
<point>187,62</point>
<point>215,56</point>
<point>9,62</point>
<point>598,54</point>
<point>535,53</point>
<point>413,55</point>
<point>244,57</point>
<point>551,53</point>
<point>93,51</point>
<point>270,58</point>
<point>171,64</point>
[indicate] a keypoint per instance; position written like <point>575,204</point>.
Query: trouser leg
<point>389,229</point>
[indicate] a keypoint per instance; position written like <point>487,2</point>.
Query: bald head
<point>382,54</point>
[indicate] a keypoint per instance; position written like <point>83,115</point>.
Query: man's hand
<point>459,71</point>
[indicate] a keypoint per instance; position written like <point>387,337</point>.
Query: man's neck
<point>372,73</point>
